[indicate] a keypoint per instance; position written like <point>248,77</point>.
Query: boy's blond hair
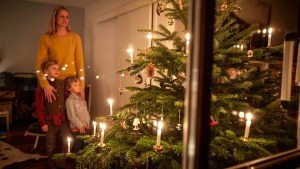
<point>47,64</point>
<point>71,80</point>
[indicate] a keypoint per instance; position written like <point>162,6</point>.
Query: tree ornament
<point>124,124</point>
<point>140,59</point>
<point>178,126</point>
<point>136,122</point>
<point>224,6</point>
<point>150,70</point>
<point>212,121</point>
<point>180,4</point>
<point>250,53</point>
<point>170,22</point>
<point>160,8</point>
<point>138,79</point>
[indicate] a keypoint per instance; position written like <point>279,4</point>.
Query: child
<point>51,115</point>
<point>77,112</point>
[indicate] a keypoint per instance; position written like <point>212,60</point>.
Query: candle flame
<point>102,126</point>
<point>110,101</point>
<point>241,114</point>
<point>249,116</point>
<point>129,50</point>
<point>149,35</point>
<point>154,123</point>
<point>160,125</point>
<point>270,31</point>
<point>187,36</point>
<point>69,139</point>
<point>264,31</point>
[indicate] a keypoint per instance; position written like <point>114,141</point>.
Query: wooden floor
<point>16,138</point>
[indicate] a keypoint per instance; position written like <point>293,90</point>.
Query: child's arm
<point>39,108</point>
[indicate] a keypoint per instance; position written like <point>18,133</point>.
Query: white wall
<point>110,30</point>
<point>22,24</point>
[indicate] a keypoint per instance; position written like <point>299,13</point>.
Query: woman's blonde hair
<point>52,24</point>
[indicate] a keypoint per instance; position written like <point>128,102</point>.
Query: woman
<point>63,45</point>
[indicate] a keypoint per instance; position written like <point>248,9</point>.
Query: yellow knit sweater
<point>67,51</point>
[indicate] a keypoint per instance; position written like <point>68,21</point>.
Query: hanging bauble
<point>224,6</point>
<point>138,79</point>
<point>170,22</point>
<point>140,59</point>
<point>159,8</point>
<point>178,126</point>
<point>212,121</point>
<point>250,53</point>
<point>120,91</point>
<point>180,4</point>
<point>150,70</point>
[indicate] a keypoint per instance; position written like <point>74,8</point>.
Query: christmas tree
<point>147,132</point>
<point>243,82</point>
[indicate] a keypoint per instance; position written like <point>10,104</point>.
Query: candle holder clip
<point>158,148</point>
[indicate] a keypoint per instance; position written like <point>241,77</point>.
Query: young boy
<point>77,112</point>
<point>51,115</point>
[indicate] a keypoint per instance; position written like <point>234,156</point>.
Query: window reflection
<point>246,77</point>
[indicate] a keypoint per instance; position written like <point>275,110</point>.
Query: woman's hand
<point>48,90</point>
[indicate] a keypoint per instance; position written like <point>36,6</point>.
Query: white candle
<point>269,36</point>
<point>187,48</point>
<point>110,102</point>
<point>130,52</point>
<point>149,37</point>
<point>102,126</point>
<point>69,145</point>
<point>248,123</point>
<point>95,124</point>
<point>159,127</point>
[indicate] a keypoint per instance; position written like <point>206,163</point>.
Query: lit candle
<point>95,124</point>
<point>102,126</point>
<point>187,38</point>
<point>269,36</point>
<point>248,123</point>
<point>149,37</point>
<point>69,145</point>
<point>130,52</point>
<point>159,127</point>
<point>110,102</point>
<point>264,32</point>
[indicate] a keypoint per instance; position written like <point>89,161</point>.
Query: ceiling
<point>73,3</point>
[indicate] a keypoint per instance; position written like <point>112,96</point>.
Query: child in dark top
<point>51,115</point>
